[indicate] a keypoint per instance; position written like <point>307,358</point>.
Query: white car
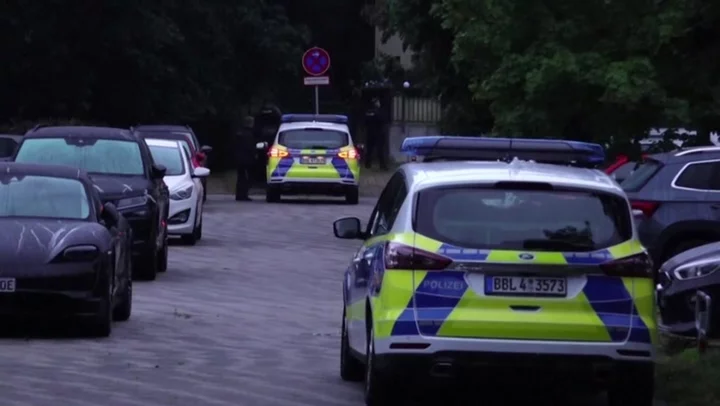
<point>186,189</point>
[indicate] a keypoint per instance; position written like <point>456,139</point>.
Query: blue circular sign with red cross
<point>316,61</point>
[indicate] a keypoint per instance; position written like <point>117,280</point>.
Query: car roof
<point>55,171</point>
<point>81,131</point>
<point>431,174</point>
<point>688,155</point>
<point>155,142</point>
<point>162,127</point>
<point>301,125</point>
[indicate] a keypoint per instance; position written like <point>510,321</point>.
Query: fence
<point>416,110</point>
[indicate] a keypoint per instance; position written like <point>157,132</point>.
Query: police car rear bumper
<point>323,186</point>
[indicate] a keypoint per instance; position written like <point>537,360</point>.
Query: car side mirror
<point>110,215</point>
<point>206,149</point>
<point>347,228</point>
<point>261,145</point>
<point>201,172</point>
<point>158,171</point>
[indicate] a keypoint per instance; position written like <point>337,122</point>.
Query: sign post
<point>316,63</point>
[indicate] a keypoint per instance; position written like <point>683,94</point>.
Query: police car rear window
<point>312,138</point>
<point>537,220</point>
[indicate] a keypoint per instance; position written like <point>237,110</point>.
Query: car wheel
<point>351,369</point>
<point>123,310</point>
<point>101,324</point>
<point>272,195</point>
<point>352,196</point>
<point>163,259</point>
<point>198,232</point>
<point>190,239</point>
<point>377,390</point>
<point>147,266</point>
<point>632,385</point>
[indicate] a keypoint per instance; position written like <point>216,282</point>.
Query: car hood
<point>113,188</point>
<point>702,252</point>
<point>27,242</point>
<point>173,182</point>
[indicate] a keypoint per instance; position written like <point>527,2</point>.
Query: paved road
<point>249,316</point>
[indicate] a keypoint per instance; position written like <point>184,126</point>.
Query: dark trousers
<point>376,145</point>
<point>242,185</point>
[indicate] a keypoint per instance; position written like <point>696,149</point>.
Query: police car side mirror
<point>347,228</point>
<point>261,145</point>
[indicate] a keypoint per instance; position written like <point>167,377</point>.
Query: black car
<point>64,253</point>
<point>8,145</point>
<point>179,133</point>
<point>124,173</point>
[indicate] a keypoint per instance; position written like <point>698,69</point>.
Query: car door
<point>160,194</point>
<point>365,260</point>
<point>197,182</point>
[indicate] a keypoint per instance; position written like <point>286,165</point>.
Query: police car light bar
<point>456,148</point>
<point>323,118</point>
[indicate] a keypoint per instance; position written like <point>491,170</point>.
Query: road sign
<point>317,80</point>
<point>316,61</point>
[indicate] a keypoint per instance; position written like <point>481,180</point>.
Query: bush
<point>689,378</point>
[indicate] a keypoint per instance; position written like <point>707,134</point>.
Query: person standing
<point>375,134</point>
<point>244,149</point>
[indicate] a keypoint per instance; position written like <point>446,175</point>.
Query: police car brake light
<point>277,153</point>
<point>349,154</point>
<point>401,256</point>
<point>322,118</point>
<point>636,266</point>
<point>552,151</point>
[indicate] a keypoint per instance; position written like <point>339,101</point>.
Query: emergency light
<point>323,118</point>
<point>456,148</point>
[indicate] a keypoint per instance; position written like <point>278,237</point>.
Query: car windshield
<point>640,175</point>
<point>313,138</point>
<point>43,196</point>
<point>102,156</point>
<point>539,220</point>
<point>170,135</point>
<point>170,158</point>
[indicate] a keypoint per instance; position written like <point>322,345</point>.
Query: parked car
<point>65,253</point>
<point>186,190</point>
<point>124,173</point>
<point>680,278</point>
<point>622,167</point>
<point>8,145</point>
<point>179,132</point>
<point>675,198</point>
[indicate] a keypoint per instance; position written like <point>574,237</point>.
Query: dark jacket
<point>244,147</point>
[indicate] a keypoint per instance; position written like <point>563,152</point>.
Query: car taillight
<point>349,154</point>
<point>277,153</point>
<point>401,256</point>
<point>636,266</point>
<point>647,208</point>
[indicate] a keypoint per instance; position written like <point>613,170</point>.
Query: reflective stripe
<point>339,168</point>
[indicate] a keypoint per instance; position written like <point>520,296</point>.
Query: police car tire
<point>352,196</point>
<point>351,369</point>
<point>632,385</point>
<point>377,390</point>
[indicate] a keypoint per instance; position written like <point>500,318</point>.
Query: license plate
<point>312,160</point>
<point>525,286</point>
<point>7,285</point>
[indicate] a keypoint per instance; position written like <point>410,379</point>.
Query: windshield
<point>536,220</point>
<point>170,158</point>
<point>640,175</point>
<point>310,138</point>
<point>170,135</point>
<point>111,157</point>
<point>43,196</point>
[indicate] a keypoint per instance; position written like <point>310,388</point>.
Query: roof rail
<point>323,118</point>
<point>562,152</point>
<point>697,150</point>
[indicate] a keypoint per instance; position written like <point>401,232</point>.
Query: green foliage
<point>689,379</point>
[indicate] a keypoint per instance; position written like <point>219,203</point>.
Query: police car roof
<point>426,175</point>
<point>313,124</point>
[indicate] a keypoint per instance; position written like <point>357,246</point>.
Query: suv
<point>675,198</point>
<point>124,173</point>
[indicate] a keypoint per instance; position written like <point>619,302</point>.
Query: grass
<point>687,378</point>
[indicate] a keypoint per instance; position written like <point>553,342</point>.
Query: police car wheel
<point>352,196</point>
<point>377,392</point>
<point>632,384</point>
<point>351,369</point>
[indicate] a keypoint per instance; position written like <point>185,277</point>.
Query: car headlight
<point>131,202</point>
<point>697,269</point>
<point>182,193</point>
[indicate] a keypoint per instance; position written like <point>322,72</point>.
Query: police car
<point>312,154</point>
<point>513,254</point>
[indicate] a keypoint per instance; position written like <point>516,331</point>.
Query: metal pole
<point>703,312</point>
<point>317,100</point>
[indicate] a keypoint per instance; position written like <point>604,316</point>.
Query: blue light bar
<point>562,152</point>
<point>323,118</point>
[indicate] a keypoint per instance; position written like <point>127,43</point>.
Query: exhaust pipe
<point>441,370</point>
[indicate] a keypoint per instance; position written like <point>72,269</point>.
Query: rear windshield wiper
<point>559,245</point>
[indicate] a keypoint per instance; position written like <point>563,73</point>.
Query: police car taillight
<point>277,153</point>
<point>636,266</point>
<point>401,256</point>
<point>349,154</point>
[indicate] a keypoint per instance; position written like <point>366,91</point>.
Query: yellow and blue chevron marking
<point>441,303</point>
<point>339,168</point>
